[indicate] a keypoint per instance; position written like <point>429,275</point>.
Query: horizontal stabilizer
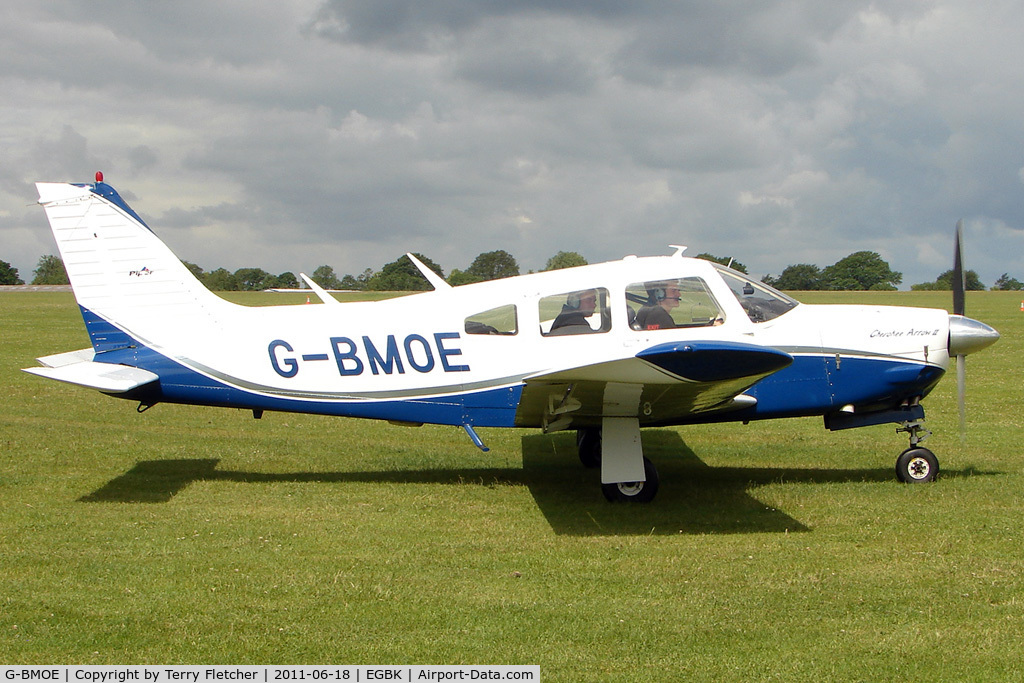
<point>105,377</point>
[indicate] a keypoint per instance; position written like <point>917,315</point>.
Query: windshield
<point>761,302</point>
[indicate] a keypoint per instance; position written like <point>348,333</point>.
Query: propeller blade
<point>959,285</point>
<point>959,282</point>
<point>961,392</point>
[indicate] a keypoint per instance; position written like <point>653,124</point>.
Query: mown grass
<point>774,551</point>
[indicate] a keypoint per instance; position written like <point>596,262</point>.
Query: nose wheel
<point>916,465</point>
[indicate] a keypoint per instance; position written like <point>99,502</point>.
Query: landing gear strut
<point>916,465</point>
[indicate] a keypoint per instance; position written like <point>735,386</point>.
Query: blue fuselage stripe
<point>811,385</point>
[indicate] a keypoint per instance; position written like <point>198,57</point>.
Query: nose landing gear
<point>916,465</point>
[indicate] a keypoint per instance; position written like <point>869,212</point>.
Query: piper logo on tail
<point>139,273</point>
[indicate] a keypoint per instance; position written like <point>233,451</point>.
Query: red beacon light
<point>99,176</point>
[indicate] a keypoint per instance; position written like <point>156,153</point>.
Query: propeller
<point>959,285</point>
<point>965,335</point>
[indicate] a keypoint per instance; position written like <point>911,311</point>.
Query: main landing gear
<point>621,463</point>
<point>916,465</point>
<point>634,491</point>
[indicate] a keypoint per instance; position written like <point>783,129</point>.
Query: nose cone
<point>967,335</point>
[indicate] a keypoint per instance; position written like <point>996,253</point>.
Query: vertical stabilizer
<point>123,276</point>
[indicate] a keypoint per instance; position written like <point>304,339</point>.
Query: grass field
<point>774,551</point>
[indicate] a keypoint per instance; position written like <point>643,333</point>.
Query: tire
<point>634,491</point>
<point>917,466</point>
<point>588,445</point>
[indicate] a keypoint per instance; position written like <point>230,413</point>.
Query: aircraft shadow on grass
<point>702,500</point>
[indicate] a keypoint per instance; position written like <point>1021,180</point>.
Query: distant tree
<point>800,277</point>
<point>253,279</point>
<point>403,276</point>
<point>50,271</point>
<point>1005,282</point>
<point>9,274</point>
<point>565,259</point>
<point>725,261</point>
<point>861,270</point>
<point>220,280</point>
<point>325,277</point>
<point>359,282</point>
<point>285,280</point>
<point>491,265</point>
<point>364,278</point>
<point>944,282</point>
<point>195,270</point>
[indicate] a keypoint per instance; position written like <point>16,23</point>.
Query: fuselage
<point>656,340</point>
<point>464,355</point>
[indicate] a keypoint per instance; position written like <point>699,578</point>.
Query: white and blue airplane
<point>603,349</point>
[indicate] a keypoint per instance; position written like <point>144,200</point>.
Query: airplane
<point>605,349</point>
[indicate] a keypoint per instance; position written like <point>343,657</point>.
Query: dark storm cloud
<point>288,132</point>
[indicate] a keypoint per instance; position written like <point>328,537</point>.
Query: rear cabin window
<point>670,304</point>
<point>500,320</point>
<point>583,311</point>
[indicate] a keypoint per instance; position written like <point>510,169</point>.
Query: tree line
<point>867,270</point>
<point>399,275</point>
<point>862,270</point>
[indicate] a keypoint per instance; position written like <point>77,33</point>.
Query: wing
<point>663,384</point>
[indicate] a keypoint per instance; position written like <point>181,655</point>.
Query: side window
<point>584,311</point>
<point>668,304</point>
<point>500,320</point>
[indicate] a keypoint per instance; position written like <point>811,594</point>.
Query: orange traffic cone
<point>309,302</point>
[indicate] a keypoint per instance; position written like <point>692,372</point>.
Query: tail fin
<point>125,279</point>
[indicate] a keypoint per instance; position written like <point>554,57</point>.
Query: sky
<point>296,133</point>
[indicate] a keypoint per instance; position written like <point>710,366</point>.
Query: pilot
<point>577,308</point>
<point>662,297</point>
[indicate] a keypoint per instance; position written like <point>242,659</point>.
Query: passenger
<point>577,308</point>
<point>662,298</point>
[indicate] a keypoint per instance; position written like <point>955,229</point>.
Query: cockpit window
<point>581,312</point>
<point>500,320</point>
<point>761,302</point>
<point>669,304</point>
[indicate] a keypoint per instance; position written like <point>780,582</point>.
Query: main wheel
<point>588,445</point>
<point>917,466</point>
<point>634,491</point>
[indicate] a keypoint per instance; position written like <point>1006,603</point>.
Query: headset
<point>574,299</point>
<point>659,293</point>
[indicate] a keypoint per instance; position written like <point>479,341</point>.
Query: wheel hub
<point>918,468</point>
<point>631,488</point>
